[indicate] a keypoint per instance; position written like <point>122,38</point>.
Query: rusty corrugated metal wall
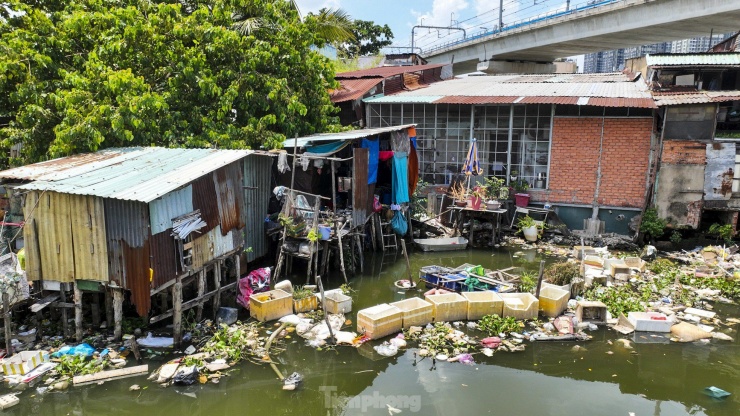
<point>257,179</point>
<point>165,263</point>
<point>87,218</point>
<point>204,199</point>
<point>213,245</point>
<point>127,229</point>
<point>228,183</point>
<point>360,197</point>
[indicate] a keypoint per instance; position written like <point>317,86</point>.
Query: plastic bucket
<point>522,200</point>
<point>324,232</point>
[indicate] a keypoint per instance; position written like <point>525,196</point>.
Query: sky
<point>402,15</point>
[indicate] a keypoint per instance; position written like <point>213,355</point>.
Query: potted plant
<point>493,187</point>
<point>530,228</point>
<point>521,195</point>
<point>458,194</point>
<point>476,197</point>
<point>304,300</point>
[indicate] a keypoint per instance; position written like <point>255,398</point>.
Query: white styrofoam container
<point>646,322</point>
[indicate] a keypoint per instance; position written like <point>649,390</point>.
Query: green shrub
<point>651,224</point>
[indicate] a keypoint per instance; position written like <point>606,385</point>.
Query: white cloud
<point>312,6</point>
<point>441,12</point>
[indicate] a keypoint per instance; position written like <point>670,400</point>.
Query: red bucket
<point>522,200</point>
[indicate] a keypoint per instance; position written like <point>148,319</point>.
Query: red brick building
<point>584,143</point>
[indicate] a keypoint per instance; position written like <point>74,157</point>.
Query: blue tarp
<point>326,149</point>
<point>373,146</point>
<point>400,177</point>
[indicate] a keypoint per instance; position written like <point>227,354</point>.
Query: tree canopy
<point>81,75</point>
<point>369,39</point>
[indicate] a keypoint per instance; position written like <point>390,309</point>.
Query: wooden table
<point>493,215</point>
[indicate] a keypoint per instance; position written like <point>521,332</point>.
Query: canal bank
<point>547,378</point>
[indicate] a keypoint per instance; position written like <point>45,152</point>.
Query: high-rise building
<point>609,61</point>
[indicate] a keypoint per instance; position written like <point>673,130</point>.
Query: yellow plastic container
<point>485,303</point>
<point>416,312</point>
<point>379,321</point>
<point>448,307</point>
<point>308,304</point>
<point>270,305</point>
<point>553,301</point>
<point>520,305</point>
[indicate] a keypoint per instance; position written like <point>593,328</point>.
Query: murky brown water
<point>546,379</point>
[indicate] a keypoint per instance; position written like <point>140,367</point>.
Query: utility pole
<point>567,5</point>
<point>501,16</point>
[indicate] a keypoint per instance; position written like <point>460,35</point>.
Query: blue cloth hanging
<point>326,149</point>
<point>399,224</point>
<point>373,146</point>
<point>413,142</point>
<point>400,177</point>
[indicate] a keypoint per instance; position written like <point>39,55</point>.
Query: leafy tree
<point>369,39</point>
<point>81,75</point>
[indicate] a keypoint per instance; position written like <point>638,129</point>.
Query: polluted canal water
<point>647,376</point>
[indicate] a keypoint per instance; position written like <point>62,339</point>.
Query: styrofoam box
<point>379,321</point>
<point>338,303</point>
<point>520,305</point>
<point>483,303</point>
<point>448,307</point>
<point>416,312</point>
<point>23,362</point>
<point>553,301</point>
<point>646,322</point>
<point>277,305</point>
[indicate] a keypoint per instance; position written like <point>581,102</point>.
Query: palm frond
<point>248,25</point>
<point>334,25</point>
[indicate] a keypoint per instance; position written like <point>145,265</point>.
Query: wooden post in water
<point>65,318</point>
<point>201,292</point>
<point>358,242</point>
<point>539,278</point>
<point>108,307</point>
<point>7,323</point>
<point>217,283</point>
<point>117,314</point>
<point>78,311</point>
<point>338,226</point>
<point>177,312</point>
<point>406,255</point>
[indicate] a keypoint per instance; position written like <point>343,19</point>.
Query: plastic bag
<point>399,225</point>
<point>386,349</point>
<point>186,376</point>
<point>84,350</point>
<point>377,207</point>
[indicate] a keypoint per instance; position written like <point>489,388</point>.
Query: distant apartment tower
<point>609,61</point>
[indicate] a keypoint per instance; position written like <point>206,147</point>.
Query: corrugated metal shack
<point>107,218</point>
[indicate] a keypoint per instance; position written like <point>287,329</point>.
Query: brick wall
<point>575,157</point>
<point>684,152</point>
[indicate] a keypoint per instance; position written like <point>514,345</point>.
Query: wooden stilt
<point>237,268</point>
<point>314,246</point>
<point>358,243</point>
<point>201,292</point>
<point>65,318</point>
<point>539,278</point>
<point>379,233</point>
<point>338,226</point>
<point>406,255</point>
<point>217,285</point>
<point>78,311</point>
<point>177,313</point>
<point>372,231</point>
<point>39,325</point>
<point>95,309</point>
<point>324,258</point>
<point>117,314</point>
<point>108,307</point>
<point>7,324</point>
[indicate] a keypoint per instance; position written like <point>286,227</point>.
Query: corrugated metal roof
<point>683,59</point>
<point>352,89</point>
<point>134,174</point>
<point>386,71</point>
<point>697,97</point>
<point>342,136</point>
<point>545,89</point>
